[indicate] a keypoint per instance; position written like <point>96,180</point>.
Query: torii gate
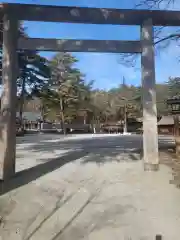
<point>12,13</point>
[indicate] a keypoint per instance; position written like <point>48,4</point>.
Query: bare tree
<point>160,34</point>
<point>162,37</point>
<point>155,4</point>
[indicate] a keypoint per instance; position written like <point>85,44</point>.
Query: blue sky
<point>104,68</point>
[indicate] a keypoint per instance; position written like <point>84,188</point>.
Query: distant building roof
<point>30,116</point>
<point>166,120</point>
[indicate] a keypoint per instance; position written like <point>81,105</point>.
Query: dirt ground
<point>90,187</point>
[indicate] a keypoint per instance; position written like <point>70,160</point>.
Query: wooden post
<point>8,100</point>
<point>84,118</point>
<point>150,133</point>
<point>177,135</point>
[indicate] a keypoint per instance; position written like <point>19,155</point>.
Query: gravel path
<point>87,187</point>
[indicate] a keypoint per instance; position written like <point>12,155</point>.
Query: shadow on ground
<point>97,150</point>
<point>92,150</point>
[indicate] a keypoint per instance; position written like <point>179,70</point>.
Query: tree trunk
<point>21,102</point>
<point>62,117</point>
<point>177,137</point>
<point>125,120</point>
<point>94,125</point>
<point>105,119</point>
<point>43,118</point>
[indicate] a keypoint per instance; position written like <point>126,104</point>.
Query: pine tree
<point>69,86</point>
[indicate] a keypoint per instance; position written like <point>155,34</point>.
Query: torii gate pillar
<point>8,99</point>
<point>150,134</point>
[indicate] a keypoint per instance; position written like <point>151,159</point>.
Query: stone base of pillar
<point>151,167</point>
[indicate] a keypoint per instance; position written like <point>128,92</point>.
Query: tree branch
<point>171,36</point>
<point>150,4</point>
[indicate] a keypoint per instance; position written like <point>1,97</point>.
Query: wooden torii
<point>11,14</point>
